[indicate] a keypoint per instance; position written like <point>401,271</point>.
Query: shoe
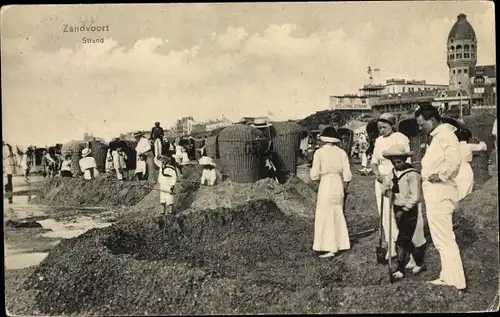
<point>418,269</point>
<point>397,275</point>
<point>327,255</point>
<point>437,282</point>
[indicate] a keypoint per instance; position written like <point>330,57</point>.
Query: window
<point>466,55</point>
<point>452,48</point>
<point>478,90</point>
<point>459,82</point>
<point>454,71</point>
<point>452,56</point>
<point>466,47</point>
<point>459,55</point>
<point>404,89</point>
<point>419,89</point>
<point>363,101</point>
<point>459,71</point>
<point>459,47</point>
<point>341,100</point>
<point>465,71</point>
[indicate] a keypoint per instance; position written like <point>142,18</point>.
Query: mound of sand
<point>99,192</point>
<point>255,258</point>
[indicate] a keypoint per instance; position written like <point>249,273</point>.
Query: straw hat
<point>396,150</point>
<point>206,160</point>
<point>261,123</point>
<point>330,135</point>
<point>388,118</point>
<point>86,151</point>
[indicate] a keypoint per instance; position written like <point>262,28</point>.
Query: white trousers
<point>440,202</point>
<point>158,147</point>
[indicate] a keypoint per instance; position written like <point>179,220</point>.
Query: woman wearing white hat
<point>88,165</point>
<point>382,168</point>
<point>331,167</point>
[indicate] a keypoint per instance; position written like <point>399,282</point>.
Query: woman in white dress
<point>330,166</point>
<point>465,176</point>
<point>382,168</point>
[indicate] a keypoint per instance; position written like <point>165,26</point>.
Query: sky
<point>159,62</point>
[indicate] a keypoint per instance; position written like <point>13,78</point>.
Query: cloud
<point>231,39</point>
<point>286,63</point>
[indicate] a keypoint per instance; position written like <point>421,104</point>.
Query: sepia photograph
<point>250,158</point>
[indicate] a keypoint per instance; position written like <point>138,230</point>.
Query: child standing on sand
<point>167,178</point>
<point>141,169</point>
<point>406,191</point>
<point>209,175</point>
<point>66,167</point>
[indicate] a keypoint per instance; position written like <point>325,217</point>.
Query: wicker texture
<point>74,148</point>
<point>286,137</point>
<point>99,152</point>
<point>241,148</point>
<point>347,137</point>
<point>131,154</point>
<point>212,147</point>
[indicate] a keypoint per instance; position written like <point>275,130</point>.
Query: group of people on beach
<point>445,178</point>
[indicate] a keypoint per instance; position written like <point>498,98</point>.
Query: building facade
<point>470,87</point>
<point>184,125</point>
<point>217,124</point>
<point>401,86</point>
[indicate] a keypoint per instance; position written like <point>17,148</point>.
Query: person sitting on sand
<point>209,174</point>
<point>141,169</point>
<point>330,166</point>
<point>88,165</point>
<point>167,178</point>
<point>465,176</point>
<point>405,190</point>
<point>66,166</point>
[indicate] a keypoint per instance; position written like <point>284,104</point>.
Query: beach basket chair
<point>241,148</point>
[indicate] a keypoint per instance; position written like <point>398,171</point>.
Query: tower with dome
<point>470,86</point>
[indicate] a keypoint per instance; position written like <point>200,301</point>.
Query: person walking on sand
<point>26,162</point>
<point>440,165</point>
<point>8,169</point>
<point>88,165</point>
<point>119,163</point>
<point>331,167</point>
<point>144,147</point>
<point>465,176</point>
<point>157,135</point>
<point>382,168</point>
<point>405,191</point>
